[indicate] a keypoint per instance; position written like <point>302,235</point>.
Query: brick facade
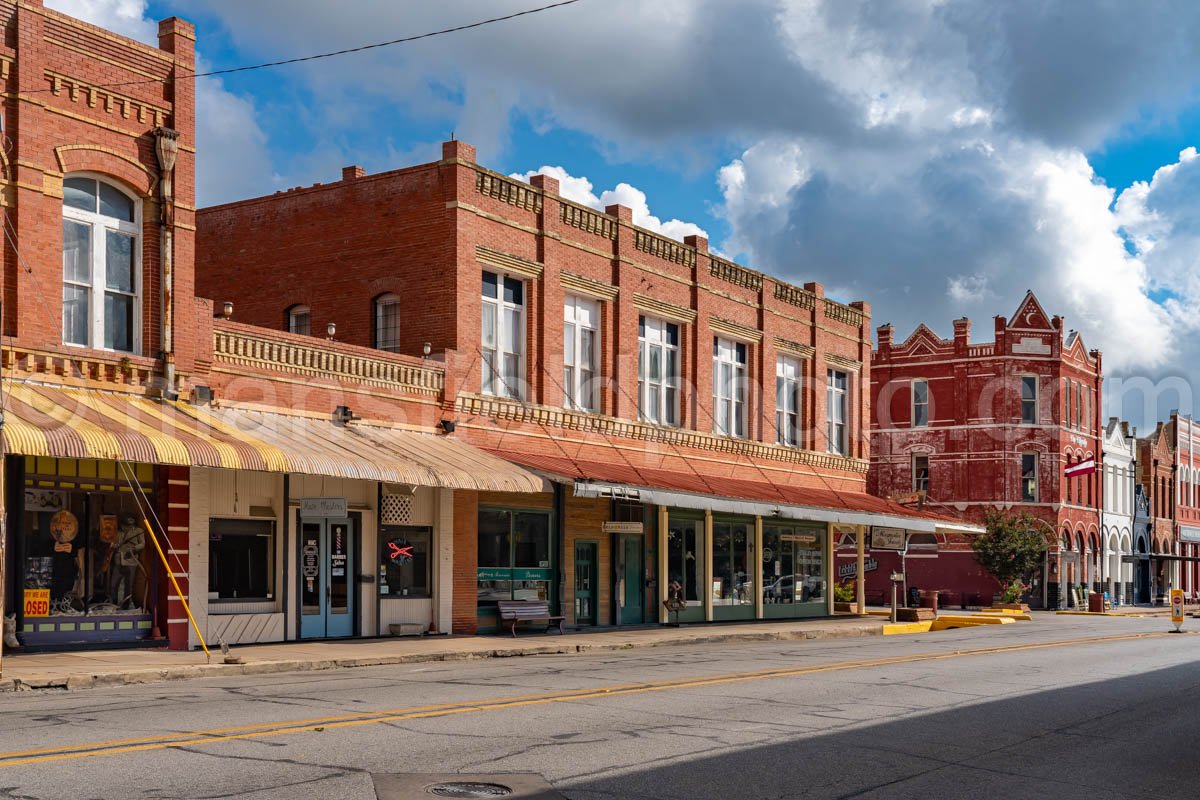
<point>975,434</point>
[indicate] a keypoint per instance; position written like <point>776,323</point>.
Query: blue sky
<point>933,158</point>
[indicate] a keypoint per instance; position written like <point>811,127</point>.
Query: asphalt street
<point>1063,707</point>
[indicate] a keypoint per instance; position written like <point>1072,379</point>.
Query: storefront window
<point>515,561</point>
<point>793,564</point>
<point>685,557</point>
<point>404,561</point>
<point>84,552</point>
<point>733,583</point>
<point>241,559</point>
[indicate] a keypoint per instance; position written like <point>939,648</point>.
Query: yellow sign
<point>37,602</point>
<point>1177,607</point>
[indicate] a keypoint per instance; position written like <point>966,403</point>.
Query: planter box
<point>407,629</point>
<point>1022,608</point>
<point>844,608</point>
<point>915,614</point>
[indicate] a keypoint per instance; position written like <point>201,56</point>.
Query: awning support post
<point>861,579</point>
<point>706,589</point>
<point>175,585</point>
<point>758,569</point>
<point>664,589</point>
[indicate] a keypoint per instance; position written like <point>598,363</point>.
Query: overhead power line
<point>347,51</point>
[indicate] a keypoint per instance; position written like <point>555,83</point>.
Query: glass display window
<point>686,553</point>
<point>404,561</point>
<point>732,554</point>
<point>515,560</point>
<point>794,568</point>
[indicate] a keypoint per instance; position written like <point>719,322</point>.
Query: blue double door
<point>328,552</point>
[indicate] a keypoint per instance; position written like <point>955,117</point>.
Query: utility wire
<point>331,54</point>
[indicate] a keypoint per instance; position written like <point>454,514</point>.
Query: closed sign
<point>37,602</point>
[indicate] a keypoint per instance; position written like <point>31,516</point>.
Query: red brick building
<point>993,425</point>
<point>1184,435</point>
<point>701,424</point>
<point>1156,477</point>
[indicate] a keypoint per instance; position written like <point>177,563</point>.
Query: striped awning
<point>64,422</point>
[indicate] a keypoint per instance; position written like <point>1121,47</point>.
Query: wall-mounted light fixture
<point>227,309</point>
<point>426,349</point>
<point>330,331</point>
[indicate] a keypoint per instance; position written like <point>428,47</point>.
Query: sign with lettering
<point>328,507</point>
<point>1177,607</point>
<point>37,603</point>
<point>850,570</point>
<point>623,527</point>
<point>887,538</point>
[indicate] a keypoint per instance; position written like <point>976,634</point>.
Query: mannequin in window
<point>126,562</point>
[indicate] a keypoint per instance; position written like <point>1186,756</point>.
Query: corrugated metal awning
<point>66,422</point>
<point>310,446</point>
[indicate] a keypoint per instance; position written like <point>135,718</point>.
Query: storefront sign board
<point>887,538</point>
<point>326,507</point>
<point>623,527</point>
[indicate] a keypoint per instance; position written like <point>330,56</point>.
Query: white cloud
<point>580,190</point>
<point>124,17</point>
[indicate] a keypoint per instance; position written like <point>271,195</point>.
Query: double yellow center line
<point>218,735</point>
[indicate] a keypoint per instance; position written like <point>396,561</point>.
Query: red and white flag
<point>1080,469</point>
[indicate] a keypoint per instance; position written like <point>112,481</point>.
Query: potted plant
<point>843,598</point>
<point>1012,549</point>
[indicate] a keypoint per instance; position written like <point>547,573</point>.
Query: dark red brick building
<point>993,425</point>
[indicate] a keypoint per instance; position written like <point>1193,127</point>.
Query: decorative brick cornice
<point>841,313</point>
<point>797,297</point>
<point>852,364</point>
<point>500,408</point>
<point>93,370</point>
<point>732,273</point>
<point>664,248</point>
<point>795,348</point>
<point>507,190</point>
<point>587,219</point>
<point>98,96</point>
<point>508,263</point>
<point>276,354</point>
<point>663,309</point>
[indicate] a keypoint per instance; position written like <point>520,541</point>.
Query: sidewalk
<point>97,668</point>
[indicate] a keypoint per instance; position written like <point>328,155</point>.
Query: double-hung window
<point>658,371</point>
<point>387,323</point>
<point>920,404</point>
<point>1029,477</point>
<point>920,473</point>
<point>729,387</point>
<point>503,336</point>
<point>581,328</point>
<point>836,411</point>
<point>1029,400</point>
<point>788,381</point>
<point>299,320</point>
<point>101,266</point>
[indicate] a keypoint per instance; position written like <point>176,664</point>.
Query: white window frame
<point>658,400</point>
<point>581,321</point>
<point>494,382</point>
<point>293,315</point>
<point>729,396</point>
<point>382,305</point>
<point>917,484</point>
<point>1037,391</point>
<point>99,225</point>
<point>789,400</point>
<point>1036,476</point>
<point>835,398</point>
<point>913,404</point>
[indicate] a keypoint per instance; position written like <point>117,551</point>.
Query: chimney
<point>546,183</point>
<point>815,288</point>
<point>455,150</point>
<point>353,173</point>
<point>886,335</point>
<point>623,213</point>
<point>698,242</point>
<point>962,334</point>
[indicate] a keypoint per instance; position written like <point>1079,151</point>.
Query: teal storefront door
<point>327,556</point>
<point>631,592</point>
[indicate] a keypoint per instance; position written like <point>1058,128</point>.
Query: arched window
<point>387,323</point>
<point>299,320</point>
<point>101,266</point>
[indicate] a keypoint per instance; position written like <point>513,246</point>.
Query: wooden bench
<point>515,611</point>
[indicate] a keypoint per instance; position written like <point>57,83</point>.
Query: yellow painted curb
<point>897,628</point>
<point>1010,611</point>
<point>885,613</point>
<point>1093,614</point>
<point>975,619</point>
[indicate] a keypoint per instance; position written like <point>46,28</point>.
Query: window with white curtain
<point>503,335</point>
<point>658,371</point>
<point>387,323</point>
<point>836,412</point>
<point>789,375</point>
<point>581,341</point>
<point>299,320</point>
<point>101,266</point>
<point>729,387</point>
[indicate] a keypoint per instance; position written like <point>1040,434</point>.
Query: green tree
<point>1012,547</point>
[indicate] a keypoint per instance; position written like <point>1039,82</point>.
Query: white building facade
<point>1116,521</point>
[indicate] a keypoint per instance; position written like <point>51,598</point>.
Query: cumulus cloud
<point>579,190</point>
<point>124,17</point>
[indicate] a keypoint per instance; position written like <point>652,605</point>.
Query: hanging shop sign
<point>887,538</point>
<point>327,507</point>
<point>623,527</point>
<point>45,500</point>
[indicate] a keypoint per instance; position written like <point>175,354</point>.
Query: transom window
<point>581,326</point>
<point>503,334</point>
<point>920,403</point>
<point>835,410</point>
<point>658,371</point>
<point>387,323</point>
<point>299,320</point>
<point>729,387</point>
<point>1029,400</point>
<point>101,266</point>
<point>789,375</point>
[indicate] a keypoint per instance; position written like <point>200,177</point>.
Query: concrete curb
<point>569,646</point>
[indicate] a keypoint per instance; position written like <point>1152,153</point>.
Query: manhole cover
<point>468,789</point>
